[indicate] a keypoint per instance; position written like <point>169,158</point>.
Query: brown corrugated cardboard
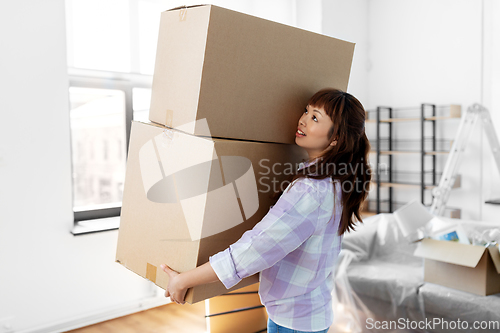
<point>189,197</point>
<point>246,297</point>
<point>254,320</point>
<point>249,77</point>
<point>471,268</point>
<point>233,311</point>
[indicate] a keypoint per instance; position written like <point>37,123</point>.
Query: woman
<point>296,245</point>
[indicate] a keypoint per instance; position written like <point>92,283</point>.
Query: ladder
<point>441,193</point>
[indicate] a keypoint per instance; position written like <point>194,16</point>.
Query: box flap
<point>495,256</point>
<point>184,6</point>
<point>412,216</point>
<point>450,252</point>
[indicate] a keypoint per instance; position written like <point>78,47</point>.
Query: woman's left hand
<point>175,290</point>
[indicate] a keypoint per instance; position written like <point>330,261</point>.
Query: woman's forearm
<point>200,275</point>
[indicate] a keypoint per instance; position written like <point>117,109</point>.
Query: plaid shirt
<point>295,247</point>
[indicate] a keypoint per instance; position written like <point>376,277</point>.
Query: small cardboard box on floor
<point>250,77</point>
<point>188,197</point>
<point>470,268</point>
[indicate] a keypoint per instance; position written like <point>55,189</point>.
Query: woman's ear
<point>333,143</point>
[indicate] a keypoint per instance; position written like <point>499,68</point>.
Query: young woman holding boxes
<point>296,245</point>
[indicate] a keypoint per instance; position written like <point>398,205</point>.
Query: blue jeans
<point>272,327</point>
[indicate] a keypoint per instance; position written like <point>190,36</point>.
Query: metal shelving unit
<point>427,114</point>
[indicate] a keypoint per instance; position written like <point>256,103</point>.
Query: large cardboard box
<point>237,311</point>
<point>249,77</point>
<point>470,268</point>
<point>188,197</point>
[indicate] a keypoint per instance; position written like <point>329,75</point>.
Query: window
<point>141,98</point>
<point>111,47</point>
<point>97,119</point>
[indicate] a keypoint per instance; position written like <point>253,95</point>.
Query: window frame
<point>126,82</point>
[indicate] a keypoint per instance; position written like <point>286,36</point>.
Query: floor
<point>167,318</point>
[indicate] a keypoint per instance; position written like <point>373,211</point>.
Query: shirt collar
<point>306,164</point>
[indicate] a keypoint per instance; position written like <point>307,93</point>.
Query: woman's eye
<point>315,119</point>
<point>305,111</point>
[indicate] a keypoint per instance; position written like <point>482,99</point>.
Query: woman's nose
<point>302,121</point>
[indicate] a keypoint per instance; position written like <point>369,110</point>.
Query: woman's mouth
<point>299,133</point>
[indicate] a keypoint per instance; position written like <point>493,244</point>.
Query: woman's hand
<point>178,284</point>
<point>175,290</point>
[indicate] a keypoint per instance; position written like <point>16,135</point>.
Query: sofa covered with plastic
<point>380,287</point>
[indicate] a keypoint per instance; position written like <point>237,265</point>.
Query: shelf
<point>393,120</point>
<point>411,140</point>
<point>397,172</point>
<point>457,184</point>
<point>454,213</point>
<point>453,108</point>
<point>398,152</point>
<point>493,202</point>
<point>436,152</point>
<point>397,120</point>
<point>401,152</point>
<point>403,185</point>
<point>440,146</point>
<point>441,118</point>
<point>455,111</point>
<point>414,178</point>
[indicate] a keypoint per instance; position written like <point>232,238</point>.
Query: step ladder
<point>441,193</point>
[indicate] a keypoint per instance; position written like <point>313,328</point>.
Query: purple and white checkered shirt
<point>295,247</point>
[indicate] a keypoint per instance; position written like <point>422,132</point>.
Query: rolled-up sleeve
<point>291,221</point>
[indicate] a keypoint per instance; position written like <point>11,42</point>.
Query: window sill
<point>96,225</point>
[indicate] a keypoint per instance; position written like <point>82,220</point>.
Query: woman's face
<point>312,132</point>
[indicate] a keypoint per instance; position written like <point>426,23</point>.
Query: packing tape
<point>182,14</point>
<point>151,272</point>
<point>169,116</point>
<point>167,138</point>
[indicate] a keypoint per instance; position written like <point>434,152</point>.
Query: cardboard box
<point>188,197</point>
<point>249,77</point>
<point>237,311</point>
<point>470,268</point>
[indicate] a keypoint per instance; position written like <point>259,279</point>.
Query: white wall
<point>348,20</point>
<point>491,99</point>
<point>47,276</point>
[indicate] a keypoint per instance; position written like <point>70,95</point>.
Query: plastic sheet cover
<point>379,286</point>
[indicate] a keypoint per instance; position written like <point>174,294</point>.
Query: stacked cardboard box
<point>228,90</point>
<point>236,311</point>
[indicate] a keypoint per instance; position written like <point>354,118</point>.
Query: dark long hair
<point>347,161</point>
